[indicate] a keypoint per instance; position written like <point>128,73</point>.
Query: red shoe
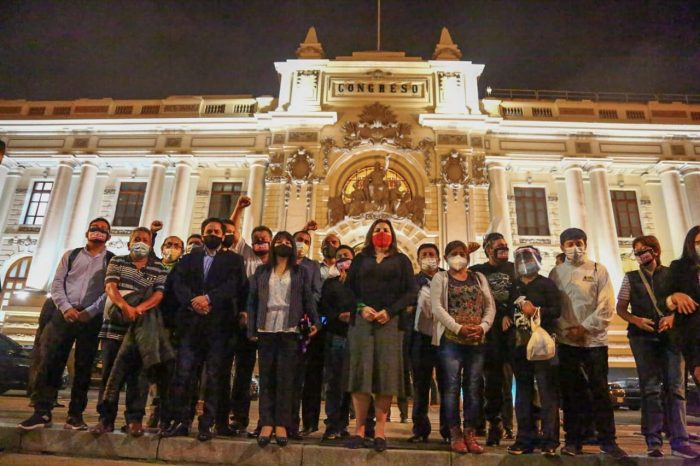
<point>471,444</point>
<point>457,441</point>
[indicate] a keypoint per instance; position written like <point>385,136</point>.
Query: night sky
<point>151,49</point>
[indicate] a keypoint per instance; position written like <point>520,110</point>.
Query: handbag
<point>541,346</point>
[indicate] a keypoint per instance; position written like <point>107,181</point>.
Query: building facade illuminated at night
<point>347,140</point>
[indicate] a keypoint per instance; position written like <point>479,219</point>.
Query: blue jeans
<point>545,374</point>
<point>659,361</point>
<point>462,369</point>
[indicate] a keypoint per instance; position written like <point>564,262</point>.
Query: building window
<point>626,213</point>
<point>531,211</point>
<point>38,202</point>
<point>223,199</point>
<point>15,279</point>
<point>129,204</point>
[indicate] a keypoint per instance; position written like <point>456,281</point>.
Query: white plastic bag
<point>541,346</point>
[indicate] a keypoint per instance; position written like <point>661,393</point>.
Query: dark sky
<point>155,48</point>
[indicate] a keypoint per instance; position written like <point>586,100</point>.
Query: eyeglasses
<point>642,252</point>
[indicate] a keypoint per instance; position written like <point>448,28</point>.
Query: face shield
<point>528,262</point>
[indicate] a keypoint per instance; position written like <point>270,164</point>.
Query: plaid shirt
<point>123,272</point>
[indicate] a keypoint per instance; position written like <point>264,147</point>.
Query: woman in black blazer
<point>684,298</point>
<point>280,296</point>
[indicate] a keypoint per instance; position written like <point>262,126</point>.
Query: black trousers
<point>279,359</point>
<point>313,382</point>
<point>224,385</point>
<point>244,363</point>
<point>136,386</point>
<point>424,361</point>
<point>498,376</point>
<point>582,369</point>
<point>54,346</point>
<point>198,346</point>
<point>48,311</point>
<point>337,399</point>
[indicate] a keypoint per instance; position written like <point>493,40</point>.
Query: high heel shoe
<point>264,441</point>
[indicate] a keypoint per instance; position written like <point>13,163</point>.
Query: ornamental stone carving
<point>458,170</point>
<point>374,197</point>
<point>275,169</point>
<point>377,125</point>
<point>300,166</point>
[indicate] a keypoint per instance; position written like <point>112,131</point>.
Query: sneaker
<point>519,448</point>
<point>655,452</point>
<point>75,423</point>
<point>685,451</point>
<point>571,450</point>
<point>35,421</point>
<point>549,451</point>
<point>614,451</point>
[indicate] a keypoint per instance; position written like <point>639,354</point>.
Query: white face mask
<point>457,263</point>
<point>139,250</point>
<point>428,263</point>
<point>575,254</point>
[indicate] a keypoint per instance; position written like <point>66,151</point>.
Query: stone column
<point>154,194</point>
<point>252,216</point>
<point>498,201</point>
<point>691,178</point>
<point>84,199</point>
<point>178,202</point>
<point>8,185</point>
<point>605,230</point>
<point>575,197</point>
<point>675,212</point>
<point>48,248</point>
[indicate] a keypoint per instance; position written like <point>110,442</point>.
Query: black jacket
<point>226,286</point>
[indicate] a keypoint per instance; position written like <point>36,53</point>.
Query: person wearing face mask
<point>535,294</point>
<point>381,279</point>
<point>682,297</point>
<point>423,355</point>
<point>134,284</point>
<point>280,295</point>
<point>77,299</point>
<point>194,243</point>
<point>245,350</point>
<point>329,245</point>
<point>211,289</point>
<point>656,355</point>
<point>587,308</point>
<point>337,304</point>
<point>498,372</point>
<point>310,374</point>
<point>464,311</point>
<point>171,250</point>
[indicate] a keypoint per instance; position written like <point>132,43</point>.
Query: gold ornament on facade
<point>275,168</point>
<point>456,171</point>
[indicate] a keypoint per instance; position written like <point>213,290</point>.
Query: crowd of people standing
<point>363,327</point>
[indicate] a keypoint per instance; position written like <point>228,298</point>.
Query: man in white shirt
<point>587,308</point>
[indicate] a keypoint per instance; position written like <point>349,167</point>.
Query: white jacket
<point>442,319</point>
<point>587,299</point>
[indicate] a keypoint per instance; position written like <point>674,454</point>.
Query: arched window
<point>15,279</point>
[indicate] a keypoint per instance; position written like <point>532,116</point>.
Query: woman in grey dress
<point>381,279</point>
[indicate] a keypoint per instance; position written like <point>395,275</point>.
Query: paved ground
<point>14,408</point>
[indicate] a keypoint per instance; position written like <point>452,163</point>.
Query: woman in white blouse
<point>280,296</point>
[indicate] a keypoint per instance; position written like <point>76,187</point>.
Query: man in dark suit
<point>211,288</point>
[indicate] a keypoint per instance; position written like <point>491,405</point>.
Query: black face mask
<point>228,241</point>
<point>282,250</point>
<point>328,251</point>
<point>212,242</point>
<point>500,255</point>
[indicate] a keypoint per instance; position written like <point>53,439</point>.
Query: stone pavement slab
<point>230,451</point>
